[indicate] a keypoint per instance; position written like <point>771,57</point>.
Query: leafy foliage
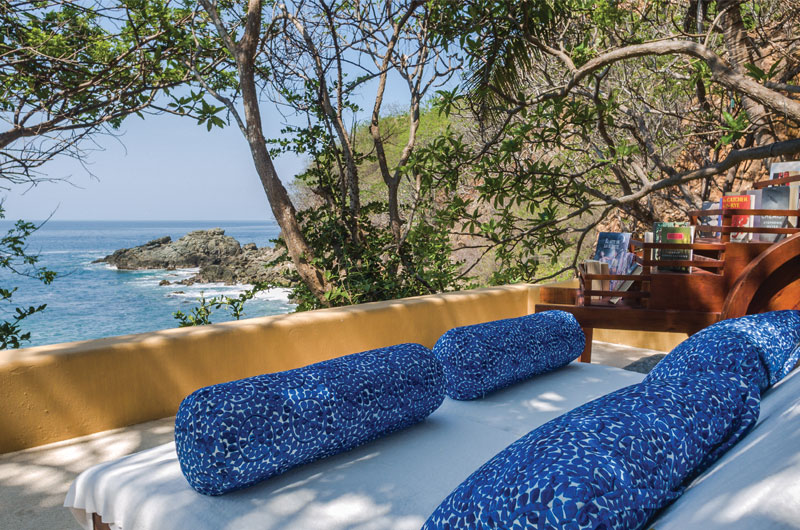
<point>14,257</point>
<point>590,114</point>
<point>371,267</point>
<point>375,228</point>
<point>73,69</point>
<point>200,315</point>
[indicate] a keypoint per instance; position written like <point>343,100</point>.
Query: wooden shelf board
<point>622,317</point>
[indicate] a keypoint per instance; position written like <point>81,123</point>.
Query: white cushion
<point>392,483</point>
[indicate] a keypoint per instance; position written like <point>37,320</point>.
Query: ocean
<point>93,300</point>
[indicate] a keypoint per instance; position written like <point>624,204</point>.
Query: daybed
<point>618,459</point>
<point>392,483</point>
<point>396,482</point>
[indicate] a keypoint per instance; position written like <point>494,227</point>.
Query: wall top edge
<point>50,351</point>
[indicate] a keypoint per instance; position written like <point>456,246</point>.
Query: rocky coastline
<point>219,257</point>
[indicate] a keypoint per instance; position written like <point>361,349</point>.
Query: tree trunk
<point>282,207</point>
<point>740,54</point>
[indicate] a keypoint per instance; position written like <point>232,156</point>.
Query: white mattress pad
<point>392,483</point>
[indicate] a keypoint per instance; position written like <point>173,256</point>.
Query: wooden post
<point>98,523</point>
<point>586,356</point>
<point>727,221</point>
<point>647,253</point>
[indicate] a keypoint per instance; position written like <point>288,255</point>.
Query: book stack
<point>611,256</point>
<point>591,266</point>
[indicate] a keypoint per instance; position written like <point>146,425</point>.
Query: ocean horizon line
<point>13,220</point>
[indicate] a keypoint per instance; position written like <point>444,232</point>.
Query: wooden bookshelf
<point>726,279</point>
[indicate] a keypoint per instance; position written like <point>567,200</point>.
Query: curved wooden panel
<point>770,282</point>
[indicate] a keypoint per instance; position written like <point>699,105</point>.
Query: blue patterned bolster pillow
<point>233,435</point>
<point>611,463</point>
<point>762,347</point>
<point>485,357</point>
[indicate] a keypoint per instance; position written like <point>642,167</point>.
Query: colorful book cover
<point>612,248</point>
<point>772,198</point>
<point>676,234</point>
<point>779,170</point>
<point>656,254</point>
<point>739,202</point>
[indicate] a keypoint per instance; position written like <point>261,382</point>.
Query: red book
<point>739,202</point>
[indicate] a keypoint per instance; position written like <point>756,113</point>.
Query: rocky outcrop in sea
<point>220,258</point>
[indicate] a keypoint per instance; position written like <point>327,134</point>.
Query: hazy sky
<point>165,168</point>
<point>169,168</point>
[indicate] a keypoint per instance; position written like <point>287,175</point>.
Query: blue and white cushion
<point>762,347</point>
<point>481,358</point>
<point>233,435</point>
<point>614,462</point>
<point>610,464</point>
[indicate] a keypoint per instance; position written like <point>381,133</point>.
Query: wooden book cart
<point>727,279</point>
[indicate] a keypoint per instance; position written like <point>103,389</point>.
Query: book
<point>591,266</point>
<point>707,220</point>
<point>680,235</point>
<point>738,202</point>
<point>612,248</point>
<point>771,198</point>
<point>634,269</point>
<point>756,197</point>
<point>656,238</point>
<point>779,170</point>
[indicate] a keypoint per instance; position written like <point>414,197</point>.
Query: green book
<point>679,235</point>
<point>657,235</point>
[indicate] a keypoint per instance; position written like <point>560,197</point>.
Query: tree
<point>590,109</point>
<point>14,258</point>
<point>73,69</point>
<point>313,57</point>
<point>242,37</point>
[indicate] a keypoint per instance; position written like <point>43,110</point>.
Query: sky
<point>170,168</point>
<point>161,168</point>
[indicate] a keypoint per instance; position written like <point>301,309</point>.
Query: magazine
<point>612,248</point>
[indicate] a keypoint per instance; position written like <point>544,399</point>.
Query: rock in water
<point>195,249</point>
<point>252,265</point>
<point>220,258</point>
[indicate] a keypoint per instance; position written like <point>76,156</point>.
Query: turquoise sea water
<point>88,301</point>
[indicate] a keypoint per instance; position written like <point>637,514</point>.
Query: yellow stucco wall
<point>57,392</point>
